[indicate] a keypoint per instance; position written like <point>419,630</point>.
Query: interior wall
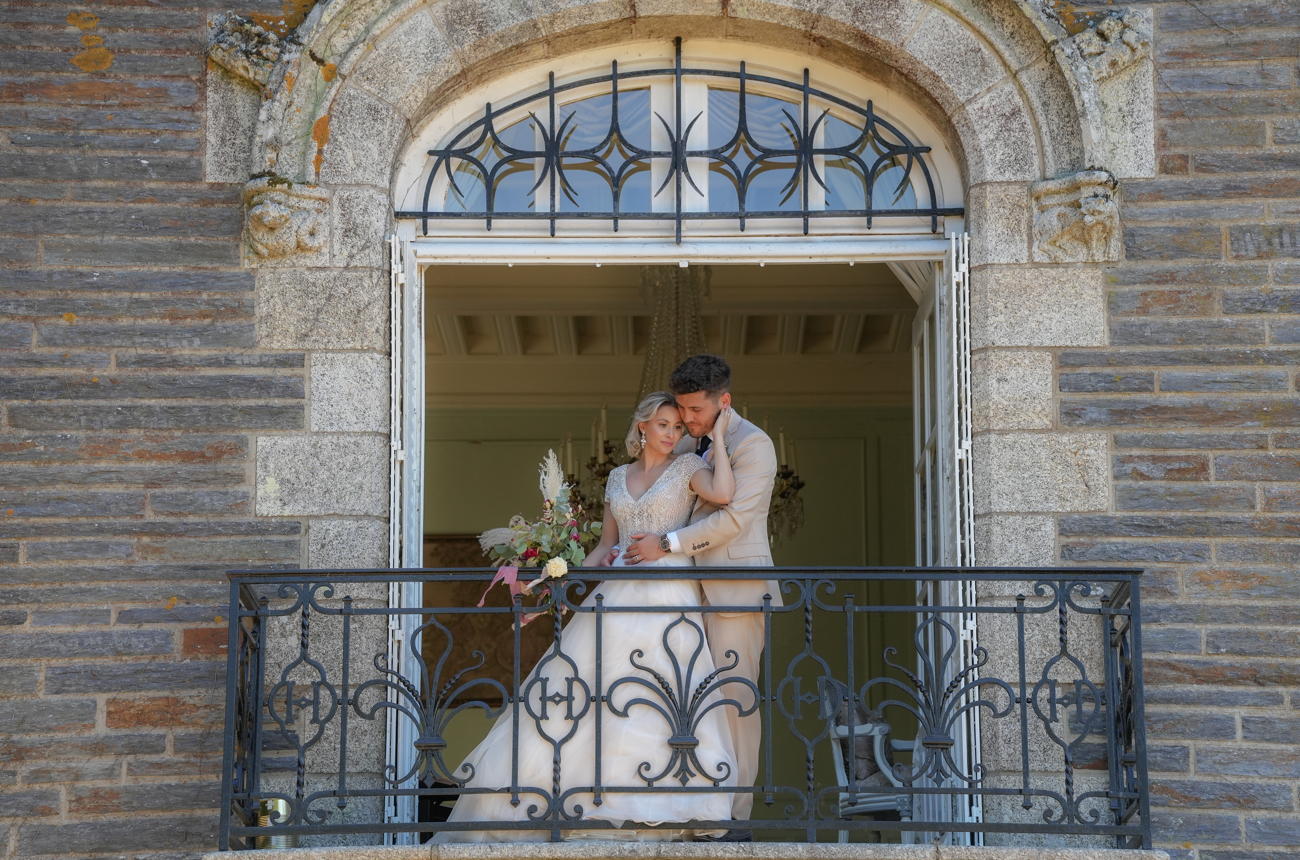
<point>856,462</point>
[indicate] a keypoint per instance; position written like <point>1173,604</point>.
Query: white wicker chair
<point>863,755</point>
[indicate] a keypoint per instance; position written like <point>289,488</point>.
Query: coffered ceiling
<point>576,335</point>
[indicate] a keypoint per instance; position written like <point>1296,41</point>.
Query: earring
<point>642,442</point>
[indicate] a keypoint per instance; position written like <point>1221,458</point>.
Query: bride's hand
<point>720,425</point>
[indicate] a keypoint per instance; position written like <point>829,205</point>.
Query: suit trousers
<point>742,634</point>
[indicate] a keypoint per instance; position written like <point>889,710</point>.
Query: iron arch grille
<point>531,143</point>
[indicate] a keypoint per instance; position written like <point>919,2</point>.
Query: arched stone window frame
<point>1047,120</point>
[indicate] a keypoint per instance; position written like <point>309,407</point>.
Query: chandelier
<point>675,294</point>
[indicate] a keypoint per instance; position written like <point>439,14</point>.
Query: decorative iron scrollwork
<point>763,147</point>
<point>1063,729</point>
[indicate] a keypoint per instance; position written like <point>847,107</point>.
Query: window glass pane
<point>584,124</point>
<point>773,123</point>
<point>635,190</point>
<point>513,190</point>
<point>609,155</point>
<point>774,180</point>
<point>631,169</point>
<point>723,187</point>
<point>465,193</point>
<point>634,116</point>
<point>774,185</point>
<point>838,133</point>
<point>585,187</point>
<point>513,173</point>
<point>893,188</point>
<point>845,172</point>
<point>724,116</point>
<point>755,160</point>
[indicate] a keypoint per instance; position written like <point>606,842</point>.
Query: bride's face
<point>664,430</point>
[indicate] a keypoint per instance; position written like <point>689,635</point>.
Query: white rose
<point>555,568</point>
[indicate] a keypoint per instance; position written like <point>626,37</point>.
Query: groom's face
<point>700,410</point>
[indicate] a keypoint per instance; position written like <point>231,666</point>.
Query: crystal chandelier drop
<point>675,296</point>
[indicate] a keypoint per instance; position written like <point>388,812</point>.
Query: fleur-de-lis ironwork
<point>430,702</point>
<point>938,697</point>
<point>301,706</point>
<point>682,702</point>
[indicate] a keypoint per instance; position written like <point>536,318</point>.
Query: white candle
<point>568,454</point>
<point>604,431</point>
<point>793,457</point>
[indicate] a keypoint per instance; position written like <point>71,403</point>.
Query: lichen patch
<point>95,57</point>
<point>320,133</point>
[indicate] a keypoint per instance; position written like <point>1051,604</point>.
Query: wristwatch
<point>664,544</point>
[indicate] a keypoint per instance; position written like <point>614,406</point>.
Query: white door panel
<point>944,529</point>
<point>406,506</point>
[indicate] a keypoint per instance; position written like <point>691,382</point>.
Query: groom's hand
<point>644,547</point>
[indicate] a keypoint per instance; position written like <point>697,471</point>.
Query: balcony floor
<point>615,850</point>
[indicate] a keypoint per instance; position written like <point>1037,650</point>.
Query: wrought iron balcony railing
<point>915,704</point>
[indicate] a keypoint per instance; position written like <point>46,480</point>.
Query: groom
<point>730,536</point>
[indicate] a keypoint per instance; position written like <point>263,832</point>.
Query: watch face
<point>664,545</point>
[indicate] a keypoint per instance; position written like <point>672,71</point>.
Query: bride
<point>646,723</point>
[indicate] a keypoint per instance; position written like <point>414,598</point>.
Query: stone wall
<point>133,393</point>
<point>1195,393</point>
<point>144,384</point>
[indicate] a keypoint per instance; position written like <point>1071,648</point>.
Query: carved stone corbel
<point>283,218</point>
<point>244,49</point>
<point>1115,42</point>
<point>1076,218</point>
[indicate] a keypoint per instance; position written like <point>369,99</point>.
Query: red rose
<point>531,552</point>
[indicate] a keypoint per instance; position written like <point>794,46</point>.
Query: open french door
<point>941,391</point>
<point>405,509</point>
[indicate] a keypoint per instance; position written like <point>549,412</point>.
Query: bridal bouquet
<point>553,542</point>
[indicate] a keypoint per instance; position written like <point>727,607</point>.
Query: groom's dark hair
<point>708,373</point>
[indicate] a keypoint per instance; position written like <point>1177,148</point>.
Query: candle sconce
<point>589,487</point>
<point>785,516</point>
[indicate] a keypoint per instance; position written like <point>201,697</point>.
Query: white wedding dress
<point>668,656</point>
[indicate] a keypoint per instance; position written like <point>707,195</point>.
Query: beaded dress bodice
<point>663,508</point>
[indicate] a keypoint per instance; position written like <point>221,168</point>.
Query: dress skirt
<point>633,720</point>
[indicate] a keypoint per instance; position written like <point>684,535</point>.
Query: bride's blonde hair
<point>645,410</point>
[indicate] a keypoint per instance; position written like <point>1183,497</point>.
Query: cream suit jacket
<point>735,535</point>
